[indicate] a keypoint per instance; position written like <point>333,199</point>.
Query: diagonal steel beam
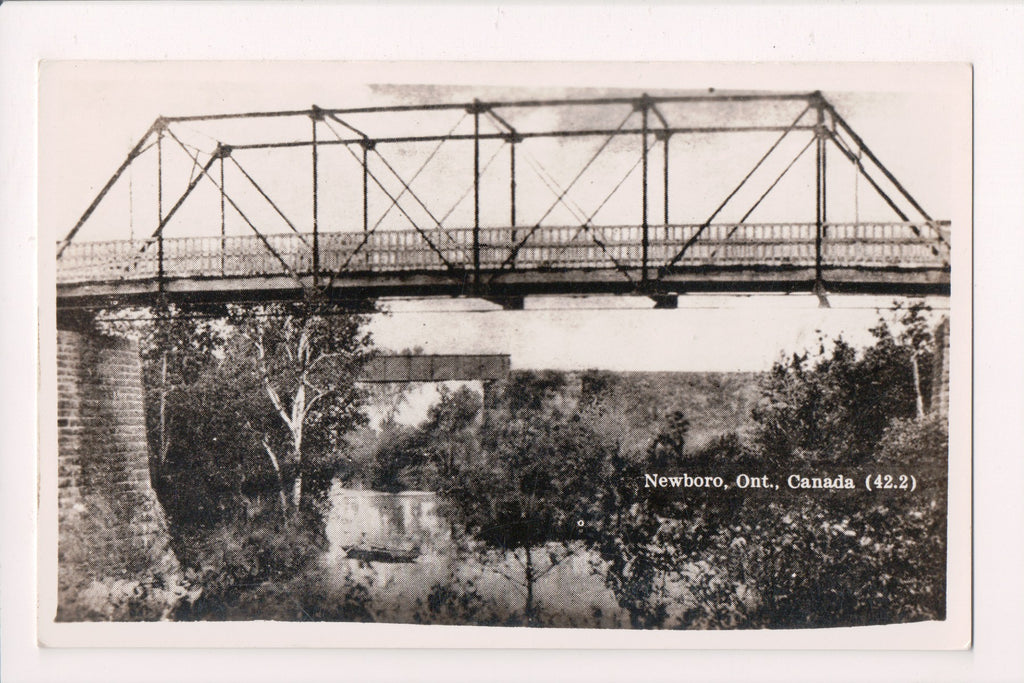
<point>188,190</point>
<point>768,191</point>
<point>882,193</point>
<point>412,222</point>
<point>469,188</point>
<point>347,125</point>
<point>592,230</point>
<point>367,145</point>
<point>675,259</point>
<point>205,172</point>
<point>155,237</point>
<point>848,153</point>
<point>552,186</point>
<point>867,151</point>
<point>227,153</point>
<point>515,250</point>
<point>855,160</point>
<point>408,190</point>
<point>132,155</point>
<point>367,174</point>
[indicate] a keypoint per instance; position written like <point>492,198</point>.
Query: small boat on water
<point>377,553</point>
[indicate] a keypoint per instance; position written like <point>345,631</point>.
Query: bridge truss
<point>372,183</point>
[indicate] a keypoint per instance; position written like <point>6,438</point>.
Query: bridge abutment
<point>940,371</point>
<point>113,542</point>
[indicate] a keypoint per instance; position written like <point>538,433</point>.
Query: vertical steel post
<point>160,209</point>
<point>819,198</point>
<point>366,188</point>
<point>476,193</point>
<point>645,243</point>
<point>223,241</point>
<point>512,193</point>
<point>314,113</point>
<point>667,136</point>
<point>824,182</point>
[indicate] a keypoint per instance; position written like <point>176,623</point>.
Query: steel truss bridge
<point>355,253</point>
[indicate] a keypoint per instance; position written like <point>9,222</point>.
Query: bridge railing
<point>863,245</point>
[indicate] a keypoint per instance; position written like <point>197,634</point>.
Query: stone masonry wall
<point>111,525</point>
<point>940,373</point>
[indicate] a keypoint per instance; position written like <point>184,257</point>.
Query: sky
<point>91,113</point>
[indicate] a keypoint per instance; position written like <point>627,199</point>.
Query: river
<point>487,585</point>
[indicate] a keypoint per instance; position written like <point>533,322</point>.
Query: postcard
<point>552,355</point>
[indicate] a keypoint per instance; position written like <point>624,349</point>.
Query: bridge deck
<point>516,261</point>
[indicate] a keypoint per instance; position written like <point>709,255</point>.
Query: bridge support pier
<point>110,524</point>
<point>665,301</point>
<point>509,303</point>
<point>940,370</point>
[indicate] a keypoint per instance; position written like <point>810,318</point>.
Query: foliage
<point>459,600</point>
<point>177,344</point>
<point>243,401</point>
<point>547,470</point>
<point>538,468</point>
<point>829,558</point>
<point>641,532</point>
<point>305,357</point>
<point>248,409</point>
<point>111,599</point>
<point>431,456</point>
<point>811,561</point>
<point>757,558</point>
<point>836,407</point>
<point>248,568</point>
<point>520,484</point>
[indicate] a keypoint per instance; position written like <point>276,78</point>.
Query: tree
<point>432,455</point>
<point>305,357</point>
<point>849,559</point>
<point>641,532</point>
<point>835,407</point>
<point>177,343</point>
<point>754,559</point>
<point>836,558</point>
<point>531,484</point>
<point>245,406</point>
<point>227,383</point>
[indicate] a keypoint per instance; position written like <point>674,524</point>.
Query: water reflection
<point>422,560</point>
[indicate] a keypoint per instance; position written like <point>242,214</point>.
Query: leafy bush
<point>241,563</point>
<point>819,560</point>
<point>777,559</point>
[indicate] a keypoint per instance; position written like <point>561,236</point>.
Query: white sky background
<point>911,117</point>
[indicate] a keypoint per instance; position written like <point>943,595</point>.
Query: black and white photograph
<point>362,344</point>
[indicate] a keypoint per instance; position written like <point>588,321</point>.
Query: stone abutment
<point>113,543</point>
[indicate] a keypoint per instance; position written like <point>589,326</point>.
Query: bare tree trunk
<point>280,481</point>
<point>530,617</point>
<point>917,385</point>
<point>296,427</point>
<point>297,491</point>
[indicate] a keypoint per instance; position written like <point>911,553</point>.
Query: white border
<point>986,37</point>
